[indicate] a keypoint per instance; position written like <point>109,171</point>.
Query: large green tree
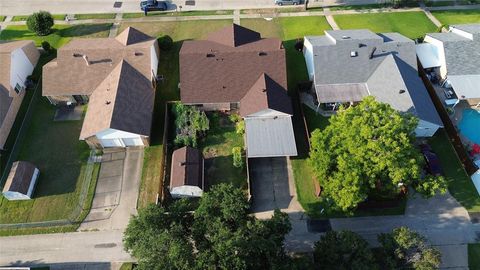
<point>219,235</point>
<point>40,22</point>
<point>343,250</point>
<point>407,249</point>
<point>366,149</point>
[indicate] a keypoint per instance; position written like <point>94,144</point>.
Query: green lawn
<point>448,17</point>
<point>182,13</point>
<point>2,18</point>
<point>459,183</point>
<point>474,256</point>
<point>95,16</point>
<point>61,33</point>
<point>360,7</point>
<point>61,158</point>
<point>18,18</point>
<point>410,24</point>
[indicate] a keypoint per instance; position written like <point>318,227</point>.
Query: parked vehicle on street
<point>153,5</point>
<point>287,2</point>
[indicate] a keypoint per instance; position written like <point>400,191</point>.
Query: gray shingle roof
<point>385,64</point>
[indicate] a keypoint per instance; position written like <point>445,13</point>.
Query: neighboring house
<point>21,181</point>
<point>236,69</point>
<point>18,59</point>
<point>116,76</point>
<point>187,177</point>
<point>347,65</point>
<point>455,58</point>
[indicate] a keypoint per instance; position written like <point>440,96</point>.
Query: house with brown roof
<point>186,175</point>
<point>236,69</point>
<point>21,181</point>
<point>116,77</point>
<point>18,59</point>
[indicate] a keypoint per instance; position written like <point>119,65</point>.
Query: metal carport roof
<point>428,55</point>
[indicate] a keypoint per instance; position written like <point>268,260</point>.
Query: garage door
<point>133,142</point>
<point>111,142</point>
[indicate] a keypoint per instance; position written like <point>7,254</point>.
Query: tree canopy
<point>343,250</point>
<point>219,235</point>
<point>366,149</point>
<point>407,249</point>
<point>40,22</point>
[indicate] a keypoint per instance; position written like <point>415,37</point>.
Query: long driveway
<point>100,238</point>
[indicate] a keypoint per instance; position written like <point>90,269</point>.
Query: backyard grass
<point>409,24</point>
<point>61,33</point>
<point>2,18</point>
<point>459,183</point>
<point>95,16</point>
<point>448,17</point>
<point>180,13</point>
<point>474,256</point>
<point>61,158</point>
<point>19,18</point>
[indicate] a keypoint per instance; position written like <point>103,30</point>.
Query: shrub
<point>165,43</point>
<point>237,157</point>
<point>240,127</point>
<point>46,46</point>
<point>40,22</point>
<point>235,117</point>
<point>190,123</point>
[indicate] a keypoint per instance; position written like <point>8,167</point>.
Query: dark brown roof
<point>212,72</point>
<point>20,177</point>
<point>69,73</point>
<point>265,94</point>
<point>123,101</point>
<point>187,168</point>
<point>234,36</point>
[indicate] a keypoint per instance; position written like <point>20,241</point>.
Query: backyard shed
<point>187,177</point>
<point>21,181</point>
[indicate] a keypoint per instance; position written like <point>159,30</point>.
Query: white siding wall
<point>308,54</point>
<point>441,54</point>
<point>20,68</point>
<point>186,191</point>
<point>117,138</point>
<point>33,183</point>
<point>154,59</point>
<point>14,196</point>
<point>426,129</point>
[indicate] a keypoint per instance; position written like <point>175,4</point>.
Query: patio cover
<point>270,137</point>
<point>428,55</point>
<point>466,86</point>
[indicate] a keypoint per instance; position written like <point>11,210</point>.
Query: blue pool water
<point>470,125</point>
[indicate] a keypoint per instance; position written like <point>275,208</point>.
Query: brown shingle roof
<point>123,101</point>
<point>234,36</point>
<point>265,94</point>
<point>69,73</point>
<point>212,72</point>
<point>187,167</point>
<point>20,177</point>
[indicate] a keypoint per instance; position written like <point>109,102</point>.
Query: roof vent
<point>224,87</point>
<point>77,55</point>
<point>353,54</point>
<point>361,45</point>
<point>345,37</point>
<point>210,55</point>
<point>264,90</point>
<point>107,102</point>
<point>138,53</point>
<point>401,91</point>
<point>262,54</point>
<point>372,52</point>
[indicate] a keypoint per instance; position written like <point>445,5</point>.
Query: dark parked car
<point>287,2</point>
<point>153,5</point>
<point>433,163</point>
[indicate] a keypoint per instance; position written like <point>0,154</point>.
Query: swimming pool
<point>470,125</point>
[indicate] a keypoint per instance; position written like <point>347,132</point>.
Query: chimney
<point>85,57</point>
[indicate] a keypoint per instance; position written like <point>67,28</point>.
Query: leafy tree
<point>404,248</point>
<point>237,157</point>
<point>40,22</point>
<point>431,185</point>
<point>343,250</point>
<point>219,235</point>
<point>190,124</point>
<point>366,149</point>
<point>165,43</point>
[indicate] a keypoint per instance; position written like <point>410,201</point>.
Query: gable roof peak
<point>131,36</point>
<point>234,35</point>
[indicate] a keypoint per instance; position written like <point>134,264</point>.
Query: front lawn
<point>61,33</point>
<point>409,24</point>
<point>55,149</point>
<point>459,183</point>
<point>95,16</point>
<point>457,16</point>
<point>474,256</point>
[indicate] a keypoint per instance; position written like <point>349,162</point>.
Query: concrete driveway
<point>117,190</point>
